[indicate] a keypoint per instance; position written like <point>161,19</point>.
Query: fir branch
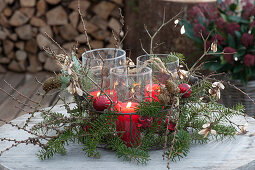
<point>56,145</point>
<point>128,153</point>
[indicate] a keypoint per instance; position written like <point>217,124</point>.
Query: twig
<point>83,24</point>
<point>167,131</point>
<point>15,99</point>
<point>23,128</point>
<point>20,93</point>
<point>101,90</point>
<point>241,92</point>
<point>164,23</point>
<point>59,46</point>
<point>174,139</point>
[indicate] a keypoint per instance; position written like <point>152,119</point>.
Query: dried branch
<point>174,139</point>
<point>59,46</point>
<point>84,25</point>
<point>22,95</point>
<point>15,99</point>
<point>164,23</point>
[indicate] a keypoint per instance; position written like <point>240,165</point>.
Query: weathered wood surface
<point>25,84</point>
<point>229,154</point>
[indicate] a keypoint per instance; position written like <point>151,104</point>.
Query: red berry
<point>101,103</point>
<point>184,88</point>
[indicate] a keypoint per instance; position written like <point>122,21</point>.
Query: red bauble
<point>184,88</point>
<point>101,103</point>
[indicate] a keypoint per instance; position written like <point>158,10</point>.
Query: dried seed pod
<point>51,83</point>
<point>172,87</point>
<point>164,99</point>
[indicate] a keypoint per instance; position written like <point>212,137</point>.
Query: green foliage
<point>173,126</point>
<point>56,145</point>
<point>149,109</point>
<point>226,24</point>
<point>181,145</point>
<point>137,155</point>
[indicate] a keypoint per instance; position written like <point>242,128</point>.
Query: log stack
<point>23,24</point>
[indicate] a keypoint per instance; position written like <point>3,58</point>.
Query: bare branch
<point>84,25</point>
<point>22,95</point>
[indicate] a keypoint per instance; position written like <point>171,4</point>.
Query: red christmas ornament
<point>185,88</point>
<point>101,103</point>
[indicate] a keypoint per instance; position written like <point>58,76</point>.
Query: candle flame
<point>129,105</point>
<point>115,84</point>
<point>132,90</point>
<point>149,88</point>
<point>98,94</point>
<point>137,84</point>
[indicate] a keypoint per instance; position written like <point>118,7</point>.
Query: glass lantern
<point>98,62</point>
<point>129,86</point>
<point>158,62</point>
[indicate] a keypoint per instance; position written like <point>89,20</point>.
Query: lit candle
<point>153,91</point>
<point>111,93</point>
<point>95,93</point>
<point>131,132</point>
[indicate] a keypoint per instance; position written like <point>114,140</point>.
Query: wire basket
<point>232,96</point>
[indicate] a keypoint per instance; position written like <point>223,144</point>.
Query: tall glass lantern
<point>159,63</point>
<point>129,86</point>
<point>99,62</point>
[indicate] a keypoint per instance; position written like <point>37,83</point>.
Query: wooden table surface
<point>26,84</point>
<point>228,154</point>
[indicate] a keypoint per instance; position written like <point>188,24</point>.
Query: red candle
<point>111,93</point>
<point>153,91</point>
<point>131,133</point>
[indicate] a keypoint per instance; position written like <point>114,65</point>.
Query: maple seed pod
<point>185,90</point>
<point>51,83</point>
<point>101,103</point>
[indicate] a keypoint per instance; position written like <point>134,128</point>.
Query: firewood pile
<point>23,24</point>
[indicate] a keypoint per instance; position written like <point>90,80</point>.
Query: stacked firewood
<point>23,24</point>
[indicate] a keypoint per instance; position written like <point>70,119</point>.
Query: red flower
<point>249,60</point>
<point>210,11</point>
<point>229,57</point>
<point>194,12</point>
<point>220,23</point>
<point>198,28</point>
<point>219,38</point>
<point>247,39</point>
<point>232,27</point>
<point>248,10</point>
